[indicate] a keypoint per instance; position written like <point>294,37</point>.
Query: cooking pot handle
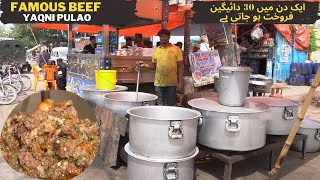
<point>288,113</point>
<point>145,103</point>
<point>317,136</point>
<point>233,124</point>
<point>175,130</point>
<point>170,171</point>
<point>200,121</point>
<point>226,74</point>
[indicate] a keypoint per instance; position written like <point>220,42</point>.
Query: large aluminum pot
<point>312,129</point>
<point>141,167</point>
<point>281,115</point>
<point>172,130</point>
<point>120,102</point>
<point>94,96</point>
<point>231,128</point>
<point>216,83</point>
<point>233,85</point>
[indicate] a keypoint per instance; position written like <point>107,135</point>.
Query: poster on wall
<point>74,85</point>
<point>203,66</point>
<point>216,34</point>
<point>285,53</point>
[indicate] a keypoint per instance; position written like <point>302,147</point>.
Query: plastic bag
<point>256,34</point>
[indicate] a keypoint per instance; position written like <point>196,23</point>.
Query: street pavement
<point>293,168</point>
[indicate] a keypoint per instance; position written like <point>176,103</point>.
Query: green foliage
<point>313,39</point>
<point>23,33</point>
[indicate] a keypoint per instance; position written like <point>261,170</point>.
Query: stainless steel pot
<point>231,128</point>
<point>312,129</point>
<point>260,86</point>
<point>233,85</point>
<point>163,131</point>
<point>216,83</point>
<point>140,167</point>
<point>120,102</point>
<point>94,96</point>
<point>281,115</point>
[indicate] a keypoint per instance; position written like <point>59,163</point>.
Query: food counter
<point>82,70</point>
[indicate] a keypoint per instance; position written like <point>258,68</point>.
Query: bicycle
<point>8,94</point>
<point>24,79</point>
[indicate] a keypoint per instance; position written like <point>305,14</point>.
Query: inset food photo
<point>50,135</point>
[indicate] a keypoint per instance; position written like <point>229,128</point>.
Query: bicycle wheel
<point>16,83</point>
<point>8,95</point>
<point>26,82</point>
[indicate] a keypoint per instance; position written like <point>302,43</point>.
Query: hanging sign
<point>204,65</point>
<point>216,34</point>
<point>285,53</point>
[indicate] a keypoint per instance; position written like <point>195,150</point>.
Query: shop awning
<point>64,27</point>
<point>176,20</point>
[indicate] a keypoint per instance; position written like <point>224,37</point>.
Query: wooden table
<point>230,157</point>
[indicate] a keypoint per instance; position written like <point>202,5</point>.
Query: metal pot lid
<point>310,124</point>
<point>144,158</point>
<point>93,89</point>
<point>130,96</point>
<point>211,104</point>
<point>234,68</point>
<point>275,102</point>
<point>260,76</point>
<point>260,83</point>
<point>163,113</point>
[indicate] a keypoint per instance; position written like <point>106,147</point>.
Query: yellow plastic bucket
<point>106,79</point>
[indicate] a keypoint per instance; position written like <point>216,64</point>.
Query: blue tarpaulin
<point>284,56</point>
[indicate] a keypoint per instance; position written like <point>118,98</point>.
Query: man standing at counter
<point>90,48</point>
<point>167,60</point>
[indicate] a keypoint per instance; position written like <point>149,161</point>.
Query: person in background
<point>138,40</point>
<point>196,47</point>
<point>179,44</point>
<point>53,63</point>
<point>167,60</point>
<point>43,57</point>
<point>128,42</point>
<point>90,48</point>
<point>62,78</point>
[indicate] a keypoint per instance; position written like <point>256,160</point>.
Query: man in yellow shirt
<point>167,60</point>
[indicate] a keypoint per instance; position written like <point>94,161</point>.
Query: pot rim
<point>218,108</point>
<point>198,114</point>
<point>92,88</point>
<point>235,68</point>
<point>154,97</point>
<point>164,160</point>
<point>266,100</point>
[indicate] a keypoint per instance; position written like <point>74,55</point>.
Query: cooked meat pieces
<point>83,162</point>
<point>50,145</point>
<point>31,122</point>
<point>27,161</point>
<point>65,150</point>
<point>73,169</point>
<point>71,110</point>
<point>40,115</point>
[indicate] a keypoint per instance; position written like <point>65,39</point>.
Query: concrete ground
<point>293,168</point>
